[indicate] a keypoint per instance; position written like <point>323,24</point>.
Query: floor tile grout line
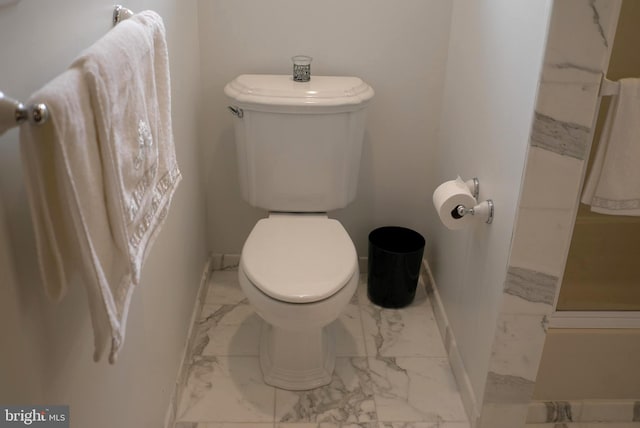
<point>366,350</point>
<point>275,405</point>
<point>373,394</point>
<point>362,330</point>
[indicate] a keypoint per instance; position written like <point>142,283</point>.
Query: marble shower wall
<point>578,47</point>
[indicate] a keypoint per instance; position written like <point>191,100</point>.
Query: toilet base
<point>296,360</point>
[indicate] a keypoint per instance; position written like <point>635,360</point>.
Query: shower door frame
<point>589,319</point>
<point>595,319</point>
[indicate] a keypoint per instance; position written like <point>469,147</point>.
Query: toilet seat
<point>299,258</point>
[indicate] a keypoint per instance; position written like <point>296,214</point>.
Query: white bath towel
<point>102,171</point>
<point>613,185</point>
<point>64,178</point>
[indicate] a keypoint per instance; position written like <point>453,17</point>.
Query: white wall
<point>494,61</point>
<point>400,49</point>
<point>47,348</point>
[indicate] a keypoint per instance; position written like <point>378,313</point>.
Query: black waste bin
<point>395,255</point>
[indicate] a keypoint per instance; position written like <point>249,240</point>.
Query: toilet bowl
<point>299,272</point>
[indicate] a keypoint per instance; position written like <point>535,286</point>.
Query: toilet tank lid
<point>275,89</point>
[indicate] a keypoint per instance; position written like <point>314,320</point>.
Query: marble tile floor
<point>391,370</point>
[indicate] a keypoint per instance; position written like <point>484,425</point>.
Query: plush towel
<point>63,176</point>
<point>613,186</point>
<point>101,173</point>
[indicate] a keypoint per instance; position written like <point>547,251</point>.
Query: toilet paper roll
<point>446,199</point>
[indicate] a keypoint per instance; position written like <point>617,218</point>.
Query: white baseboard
<point>363,263</point>
<point>170,415</point>
<point>467,394</point>
<point>224,261</point>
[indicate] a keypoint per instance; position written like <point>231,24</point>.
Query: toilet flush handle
<point>236,111</point>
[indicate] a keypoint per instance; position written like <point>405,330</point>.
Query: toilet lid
<point>299,258</point>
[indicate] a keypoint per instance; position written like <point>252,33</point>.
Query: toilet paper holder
<point>474,187</point>
<point>484,210</point>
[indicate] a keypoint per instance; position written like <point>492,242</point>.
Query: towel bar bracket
<point>14,113</point>
<point>22,114</point>
<point>120,13</point>
<point>36,113</point>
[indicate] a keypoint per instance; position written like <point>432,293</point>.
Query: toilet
<point>298,148</point>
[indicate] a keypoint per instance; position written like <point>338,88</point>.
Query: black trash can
<point>395,256</point>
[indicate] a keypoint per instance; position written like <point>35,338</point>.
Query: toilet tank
<point>298,143</point>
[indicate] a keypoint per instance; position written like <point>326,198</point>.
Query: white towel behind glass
<point>613,186</point>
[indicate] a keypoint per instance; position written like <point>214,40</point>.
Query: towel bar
<point>14,113</point>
